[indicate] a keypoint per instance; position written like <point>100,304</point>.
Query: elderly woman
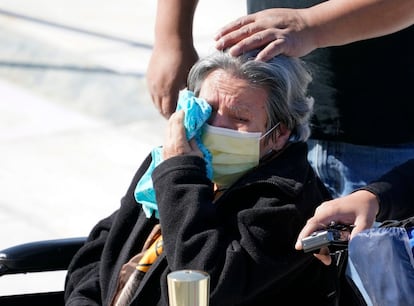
<point>239,226</point>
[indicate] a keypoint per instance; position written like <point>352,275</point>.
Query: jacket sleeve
<point>395,192</point>
<point>245,250</point>
<point>84,279</point>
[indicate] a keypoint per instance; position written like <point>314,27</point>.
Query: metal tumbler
<point>188,288</point>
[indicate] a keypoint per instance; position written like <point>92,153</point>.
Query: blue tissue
<point>196,113</point>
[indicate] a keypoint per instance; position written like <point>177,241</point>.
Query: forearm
<point>394,191</point>
<point>174,20</point>
<point>338,22</point>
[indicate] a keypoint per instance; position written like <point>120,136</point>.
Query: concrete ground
<point>76,118</point>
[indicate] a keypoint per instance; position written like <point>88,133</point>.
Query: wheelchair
<point>55,255</point>
<point>38,256</point>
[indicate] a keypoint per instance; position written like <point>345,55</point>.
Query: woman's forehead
<point>221,87</point>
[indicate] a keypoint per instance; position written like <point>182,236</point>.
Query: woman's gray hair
<point>285,79</point>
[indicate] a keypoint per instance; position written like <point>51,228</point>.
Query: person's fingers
<point>195,150</point>
<point>245,38</point>
<point>164,95</point>
<point>276,47</point>
<point>235,41</point>
<point>357,229</point>
<point>233,26</point>
<point>167,74</point>
<point>165,105</point>
<point>169,104</point>
<point>360,225</point>
<point>175,142</point>
<point>255,40</point>
<point>324,256</point>
<point>368,206</point>
<point>312,225</point>
<point>176,127</point>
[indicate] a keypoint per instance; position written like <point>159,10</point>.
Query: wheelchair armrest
<point>39,256</point>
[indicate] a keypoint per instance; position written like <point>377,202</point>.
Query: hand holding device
<point>335,236</point>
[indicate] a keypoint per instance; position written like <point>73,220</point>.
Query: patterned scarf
<point>133,271</point>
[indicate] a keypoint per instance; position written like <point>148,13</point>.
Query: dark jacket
<point>244,240</point>
<point>395,192</point>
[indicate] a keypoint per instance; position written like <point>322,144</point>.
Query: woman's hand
<point>176,142</point>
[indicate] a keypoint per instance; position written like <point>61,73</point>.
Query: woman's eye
<point>242,119</point>
<point>240,116</point>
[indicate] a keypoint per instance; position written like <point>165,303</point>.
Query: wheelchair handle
<point>39,256</point>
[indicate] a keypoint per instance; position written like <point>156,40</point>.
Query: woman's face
<point>235,104</point>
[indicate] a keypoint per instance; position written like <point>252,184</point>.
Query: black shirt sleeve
<point>395,191</point>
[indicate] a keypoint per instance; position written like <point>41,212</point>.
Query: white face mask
<point>233,152</point>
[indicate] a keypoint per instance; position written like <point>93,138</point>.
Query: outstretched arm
<point>296,32</point>
<point>389,197</point>
<point>173,54</point>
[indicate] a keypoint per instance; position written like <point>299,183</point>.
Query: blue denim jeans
<point>344,167</point>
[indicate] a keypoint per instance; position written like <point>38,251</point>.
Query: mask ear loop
<point>271,150</point>
<point>269,131</point>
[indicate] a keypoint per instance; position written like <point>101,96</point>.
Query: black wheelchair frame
<point>38,256</point>
<point>56,255</point>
